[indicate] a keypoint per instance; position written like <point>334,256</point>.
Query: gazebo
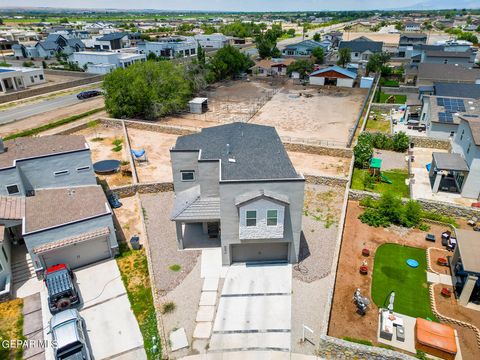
<point>448,172</point>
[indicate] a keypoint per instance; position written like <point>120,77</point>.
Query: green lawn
<point>391,273</point>
<point>382,98</point>
<point>378,126</point>
<point>397,176</point>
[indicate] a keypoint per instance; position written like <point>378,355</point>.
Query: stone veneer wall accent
<point>333,348</point>
<point>326,180</point>
<point>426,142</point>
<point>150,126</point>
<point>318,150</point>
<point>142,188</point>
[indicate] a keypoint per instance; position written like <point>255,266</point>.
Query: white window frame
<point>83,168</point>
<point>182,172</point>
<point>250,218</point>
<point>61,173</point>
<point>271,218</point>
<point>18,188</point>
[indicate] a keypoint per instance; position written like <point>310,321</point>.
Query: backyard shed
<point>198,105</point>
<point>435,339</point>
<point>334,75</point>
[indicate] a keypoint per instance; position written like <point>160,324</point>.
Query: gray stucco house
<point>362,48</point>
<point>51,205</point>
<point>236,187</point>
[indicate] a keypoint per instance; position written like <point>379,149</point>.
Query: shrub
<point>363,151</point>
<point>369,202</point>
<point>175,267</point>
<point>368,181</point>
<point>439,217</point>
<point>168,307</point>
<point>374,218</point>
<point>401,142</point>
<point>424,227</point>
<point>412,214</point>
<point>382,141</point>
<point>390,206</point>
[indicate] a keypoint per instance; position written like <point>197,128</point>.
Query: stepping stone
<point>202,330</point>
<point>205,313</point>
<point>178,339</point>
<point>208,298</point>
<point>210,284</point>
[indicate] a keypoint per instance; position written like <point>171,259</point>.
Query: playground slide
<point>386,179</point>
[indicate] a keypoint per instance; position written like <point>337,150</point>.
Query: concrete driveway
<point>254,312</point>
<point>112,329</point>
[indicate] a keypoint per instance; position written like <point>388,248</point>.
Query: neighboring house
<point>170,48</point>
<point>112,41</point>
<point>334,37</point>
<point>236,188</point>
<point>48,48</point>
<point>18,78</point>
<point>103,62</point>
<point>440,114</point>
<point>457,90</point>
<point>49,200</point>
<point>465,58</point>
<point>273,67</point>
<point>425,74</point>
<point>305,48</point>
<point>465,267</point>
<point>213,41</point>
<point>411,26</point>
<point>334,75</point>
<point>6,44</point>
<point>362,48</point>
<point>408,41</point>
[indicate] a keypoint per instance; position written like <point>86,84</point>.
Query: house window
<point>251,217</point>
<point>452,133</point>
<point>4,254</point>
<point>188,175</point>
<point>356,54</point>
<point>461,136</point>
<point>83,168</point>
<point>12,189</point>
<point>61,173</point>
<point>272,217</point>
<point>468,149</point>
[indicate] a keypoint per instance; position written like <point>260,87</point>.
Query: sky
<point>220,5</point>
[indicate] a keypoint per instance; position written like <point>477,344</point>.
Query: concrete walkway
<point>439,278</point>
<point>252,355</point>
<point>33,326</point>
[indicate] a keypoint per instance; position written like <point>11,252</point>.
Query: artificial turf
<point>391,273</point>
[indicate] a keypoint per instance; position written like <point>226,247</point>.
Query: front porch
<point>198,235</point>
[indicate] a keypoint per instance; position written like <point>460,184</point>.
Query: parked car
<point>62,293</point>
<point>88,94</point>
<point>69,336</point>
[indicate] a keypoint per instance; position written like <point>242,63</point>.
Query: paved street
<point>254,311</point>
<point>40,107</point>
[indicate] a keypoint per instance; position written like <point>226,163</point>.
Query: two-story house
<point>361,48</point>
<point>112,41</point>
<point>236,187</point>
<point>51,203</point>
<point>170,48</point>
<point>408,41</point>
<point>305,48</point>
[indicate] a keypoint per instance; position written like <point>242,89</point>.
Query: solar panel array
<point>445,117</point>
<point>451,105</point>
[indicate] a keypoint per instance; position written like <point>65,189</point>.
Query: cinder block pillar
<point>2,85</point>
<point>467,290</point>
<point>436,184</point>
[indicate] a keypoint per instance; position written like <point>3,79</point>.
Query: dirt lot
<point>157,146</point>
<point>127,219</point>
<point>52,116</point>
<point>324,114</point>
<point>100,139</point>
<point>344,320</point>
<point>319,165</point>
<point>227,102</point>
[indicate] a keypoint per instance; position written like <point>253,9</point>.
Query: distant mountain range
<point>443,4</point>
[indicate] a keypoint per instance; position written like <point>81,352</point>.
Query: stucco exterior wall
<point>441,130</point>
<point>184,160</point>
<point>10,177</point>
<point>230,217</point>
<point>261,230</point>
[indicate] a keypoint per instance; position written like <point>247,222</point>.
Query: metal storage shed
<point>198,105</point>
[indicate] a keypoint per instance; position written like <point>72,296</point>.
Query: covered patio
<point>447,172</point>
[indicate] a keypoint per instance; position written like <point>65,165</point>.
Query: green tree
<point>401,142</point>
<point>267,47</point>
<point>201,55</point>
<point>390,206</point>
<point>147,89</point>
<point>302,66</point>
<point>226,63</point>
<point>316,37</point>
<point>363,150</point>
<point>318,54</point>
<point>291,32</point>
<point>468,37</point>
<point>344,57</point>
<point>377,61</point>
<point>412,214</point>
<point>152,56</point>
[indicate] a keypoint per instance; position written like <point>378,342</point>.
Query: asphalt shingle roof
<point>447,72</point>
<point>257,150</point>
<point>112,36</point>
<point>457,90</point>
<point>362,46</point>
<point>307,43</point>
<point>450,161</point>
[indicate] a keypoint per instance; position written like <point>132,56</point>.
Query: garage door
<point>260,252</point>
<point>79,254</point>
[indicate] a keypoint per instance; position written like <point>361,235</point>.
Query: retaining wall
<point>142,188</point>
<point>400,90</point>
<point>426,142</point>
<point>318,150</point>
<point>326,180</point>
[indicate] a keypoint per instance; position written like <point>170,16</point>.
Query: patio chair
<point>140,155</point>
<point>442,261</point>
<point>430,237</point>
<point>446,292</point>
<point>364,270</point>
<point>365,252</point>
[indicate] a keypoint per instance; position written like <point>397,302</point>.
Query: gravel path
<point>163,243</point>
<point>320,225</point>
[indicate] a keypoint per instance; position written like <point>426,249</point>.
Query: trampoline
<point>412,263</point>
<point>106,166</point>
